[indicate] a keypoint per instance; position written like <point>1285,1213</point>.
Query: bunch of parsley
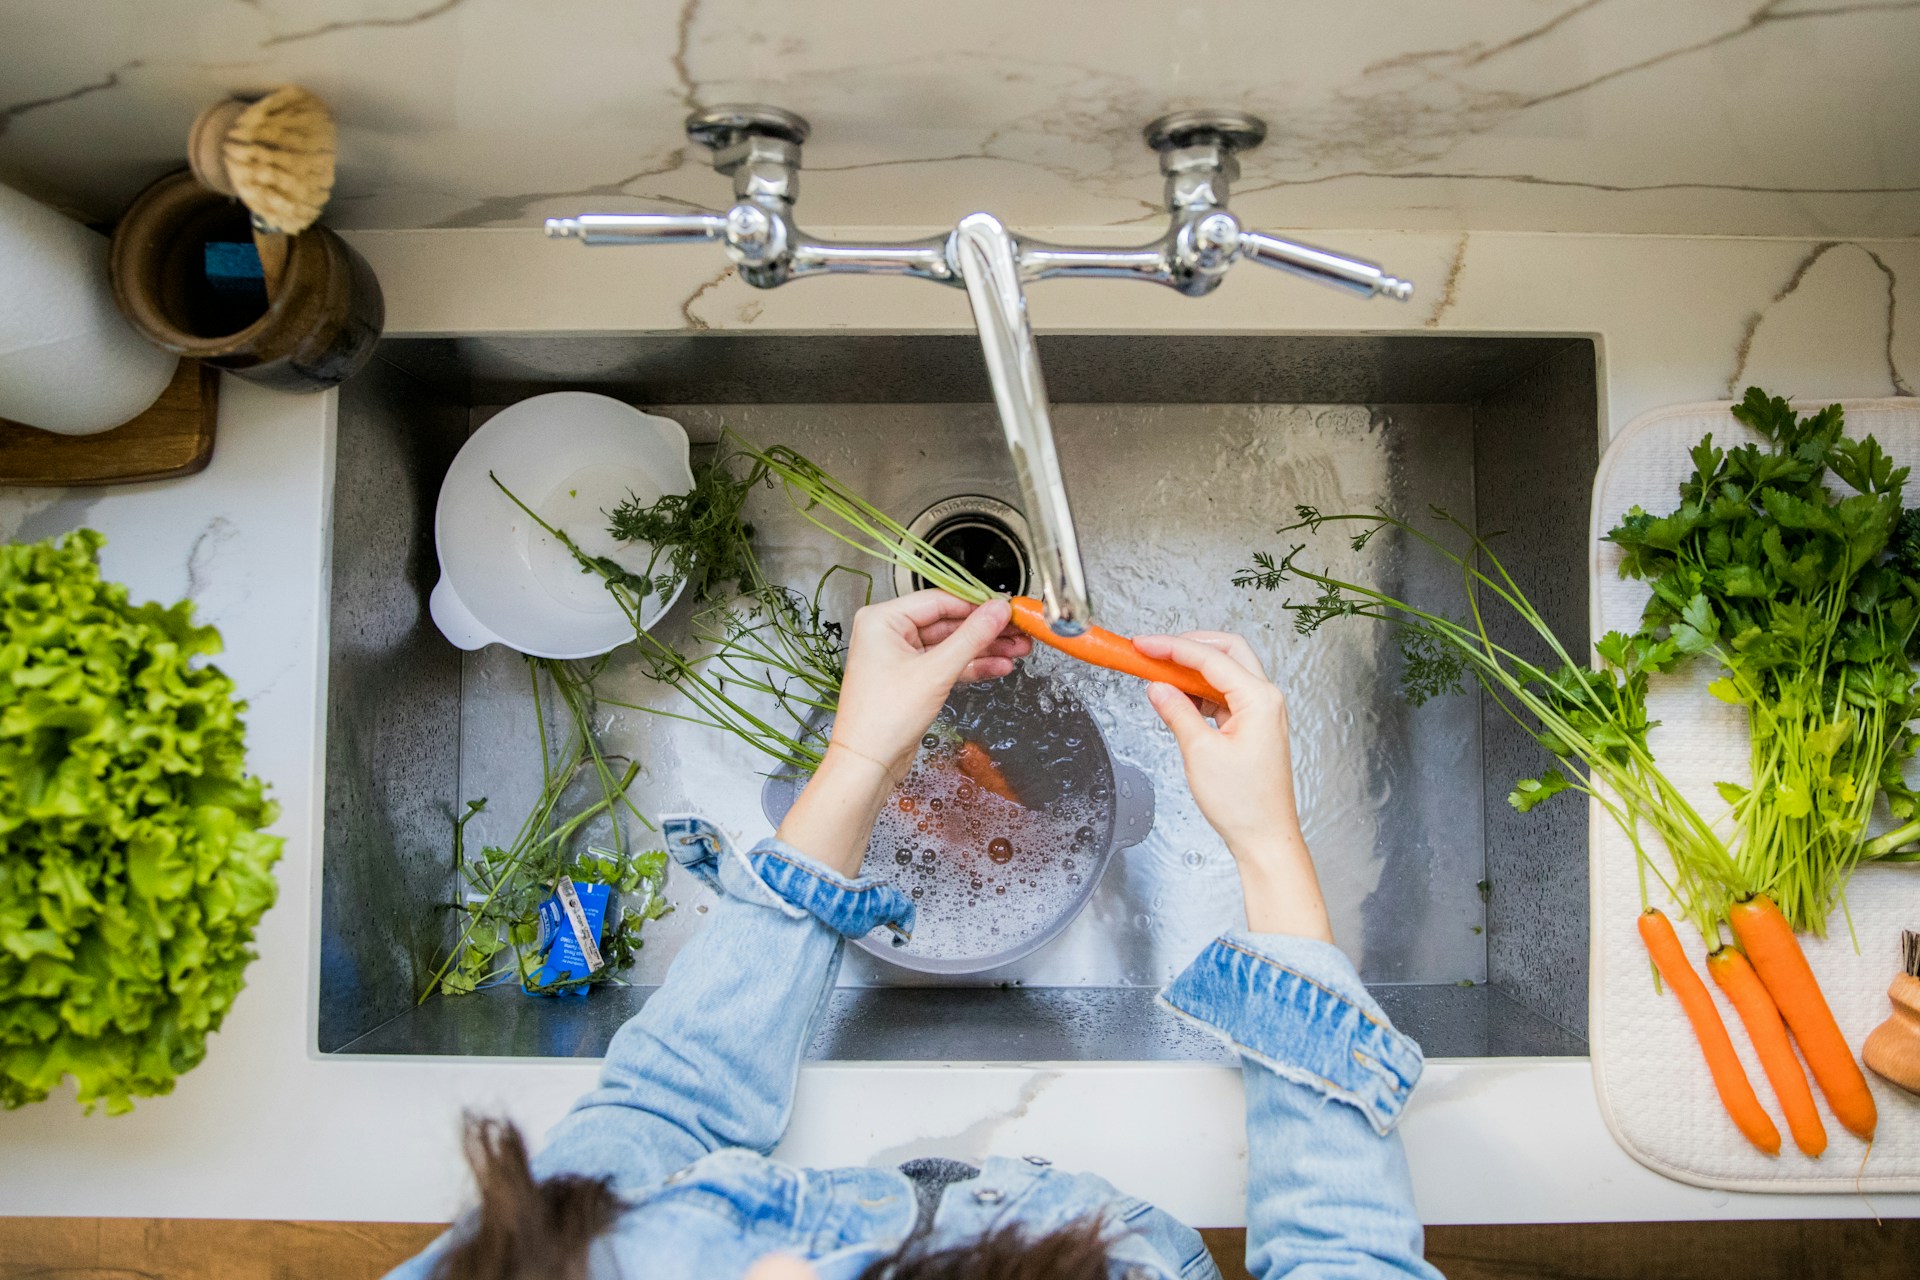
<point>1793,565</point>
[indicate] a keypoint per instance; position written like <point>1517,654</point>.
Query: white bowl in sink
<point>571,456</point>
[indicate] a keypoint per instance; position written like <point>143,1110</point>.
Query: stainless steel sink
<point>1183,455</point>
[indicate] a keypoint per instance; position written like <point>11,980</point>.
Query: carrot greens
<point>1792,565</point>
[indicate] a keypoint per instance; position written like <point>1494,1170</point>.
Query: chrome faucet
<point>759,148</point>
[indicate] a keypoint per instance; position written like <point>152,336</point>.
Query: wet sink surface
<point>1451,908</point>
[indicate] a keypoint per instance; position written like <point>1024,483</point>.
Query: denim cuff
<point>1296,1007</point>
<point>776,874</point>
<point>851,908</point>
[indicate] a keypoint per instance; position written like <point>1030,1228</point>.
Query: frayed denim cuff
<point>1296,1007</point>
<point>776,874</point>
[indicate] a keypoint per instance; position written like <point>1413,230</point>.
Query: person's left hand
<point>904,659</point>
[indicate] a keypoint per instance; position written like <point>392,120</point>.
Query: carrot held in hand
<point>1742,986</point>
<point>1768,940</point>
<point>1729,1077</point>
<point>1103,648</point>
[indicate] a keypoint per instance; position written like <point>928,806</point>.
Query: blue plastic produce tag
<point>570,922</point>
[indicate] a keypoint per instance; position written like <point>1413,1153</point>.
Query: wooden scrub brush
<point>1893,1048</point>
<point>275,155</point>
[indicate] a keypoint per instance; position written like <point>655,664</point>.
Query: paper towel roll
<point>68,361</point>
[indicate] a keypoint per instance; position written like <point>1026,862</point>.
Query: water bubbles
<point>903,856</point>
<point>1000,850</point>
<point>966,793</point>
<point>935,804</point>
<point>1082,837</point>
<point>1000,889</point>
<point>929,742</point>
<point>926,857</point>
<point>1193,859</point>
<point>918,890</point>
<point>908,804</point>
<point>1066,864</point>
<point>976,884</point>
<point>1074,878</point>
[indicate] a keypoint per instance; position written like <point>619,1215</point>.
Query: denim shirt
<point>698,1086</point>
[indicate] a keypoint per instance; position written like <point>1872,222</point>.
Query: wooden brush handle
<point>1893,1048</point>
<point>206,142</point>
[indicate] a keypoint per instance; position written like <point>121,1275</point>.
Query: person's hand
<point>904,658</point>
<point>1240,769</point>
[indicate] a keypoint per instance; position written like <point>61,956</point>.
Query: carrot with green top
<point>1729,1077</point>
<point>1767,938</point>
<point>839,511</point>
<point>1761,1017</point>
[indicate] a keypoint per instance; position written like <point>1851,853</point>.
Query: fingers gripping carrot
<point>1729,1077</point>
<point>1759,1015</point>
<point>1768,940</point>
<point>1103,648</point>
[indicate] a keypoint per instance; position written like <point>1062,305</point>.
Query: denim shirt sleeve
<point>1327,1076</point>
<point>711,1060</point>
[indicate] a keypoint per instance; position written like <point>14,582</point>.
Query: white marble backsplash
<point>1748,117</point>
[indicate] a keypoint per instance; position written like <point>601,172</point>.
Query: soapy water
<point>988,873</point>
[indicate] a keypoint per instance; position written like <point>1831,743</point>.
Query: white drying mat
<point>1654,1088</point>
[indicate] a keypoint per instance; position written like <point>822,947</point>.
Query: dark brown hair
<point>525,1230</point>
<point>1077,1251</point>
<point>528,1230</point>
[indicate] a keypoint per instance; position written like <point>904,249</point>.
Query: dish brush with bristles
<point>275,155</point>
<point>1893,1048</point>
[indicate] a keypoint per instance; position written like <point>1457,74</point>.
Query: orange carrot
<point>1103,648</point>
<point>1768,940</point>
<point>1742,986</point>
<point>978,768</point>
<point>1729,1077</point>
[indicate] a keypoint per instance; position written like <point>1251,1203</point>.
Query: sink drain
<point>984,534</point>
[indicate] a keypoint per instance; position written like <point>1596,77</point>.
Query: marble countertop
<point>267,1127</point>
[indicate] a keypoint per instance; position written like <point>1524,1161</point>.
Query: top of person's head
<point>542,1230</point>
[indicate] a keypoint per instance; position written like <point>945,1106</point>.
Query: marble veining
<point>1782,117</point>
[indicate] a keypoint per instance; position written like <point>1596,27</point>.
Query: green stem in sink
<point>1592,717</point>
<point>505,884</point>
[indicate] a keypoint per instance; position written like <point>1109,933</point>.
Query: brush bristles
<point>1910,951</point>
<point>279,157</point>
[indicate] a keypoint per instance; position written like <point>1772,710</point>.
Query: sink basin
<point>1183,454</point>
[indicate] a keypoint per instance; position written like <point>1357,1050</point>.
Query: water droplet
<point>1141,921</point>
<point>966,793</point>
<point>1074,878</point>
<point>917,891</point>
<point>903,856</point>
<point>935,805</point>
<point>1083,835</point>
<point>999,888</point>
<point>908,804</point>
<point>1000,849</point>
<point>1126,789</point>
<point>929,742</point>
<point>1193,859</point>
<point>1067,863</point>
<point>926,857</point>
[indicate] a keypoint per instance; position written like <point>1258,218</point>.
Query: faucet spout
<point>987,260</point>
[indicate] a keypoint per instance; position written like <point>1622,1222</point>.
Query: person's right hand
<point>1240,769</point>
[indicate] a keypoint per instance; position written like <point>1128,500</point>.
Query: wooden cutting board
<point>174,437</point>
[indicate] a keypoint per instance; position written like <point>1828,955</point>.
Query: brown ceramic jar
<point>317,330</point>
